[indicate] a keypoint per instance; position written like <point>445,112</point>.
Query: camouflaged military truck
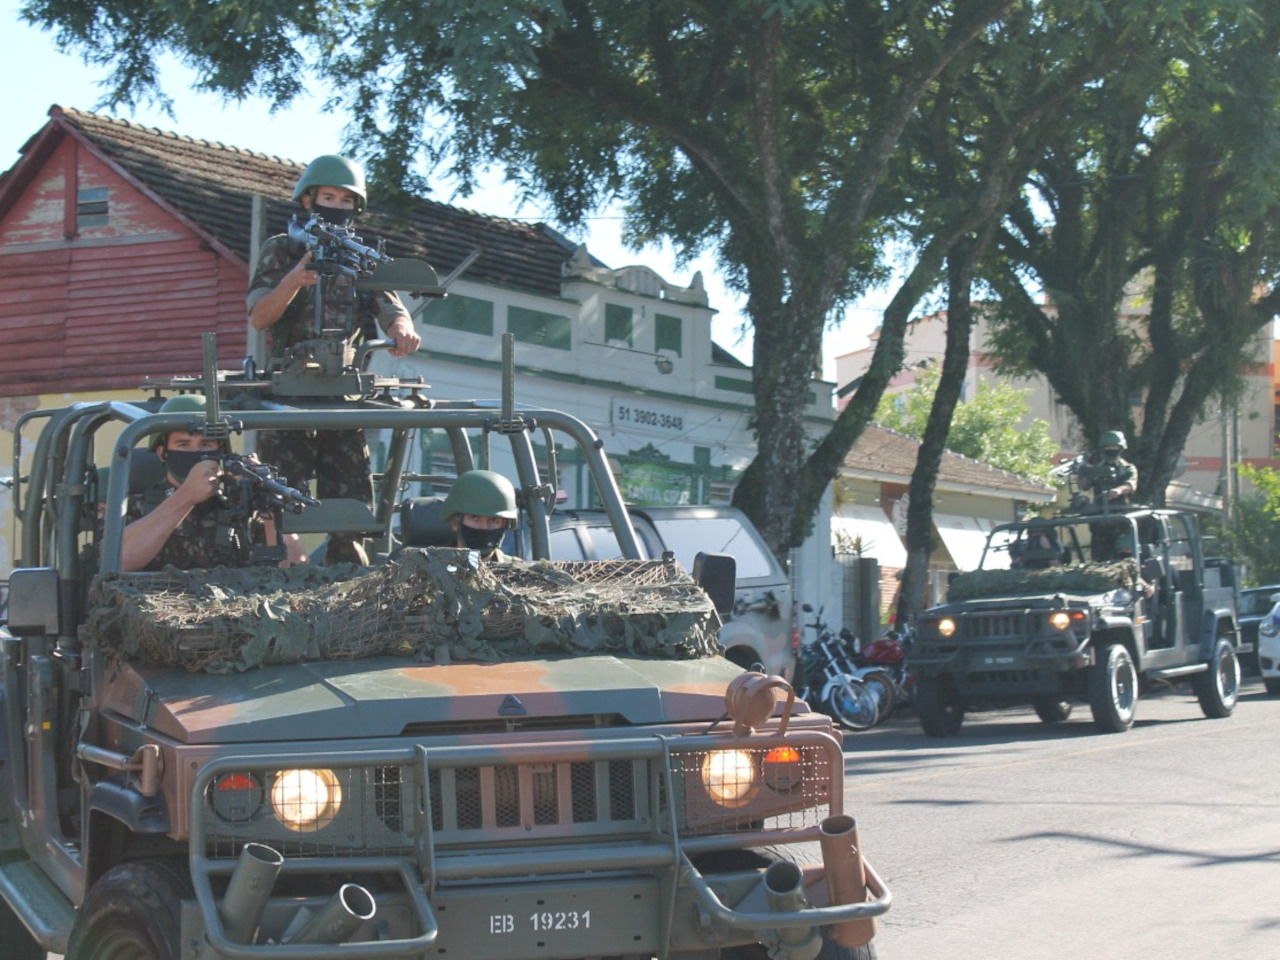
<point>1099,607</point>
<point>425,756</point>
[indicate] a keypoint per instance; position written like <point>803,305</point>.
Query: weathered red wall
<point>114,304</point>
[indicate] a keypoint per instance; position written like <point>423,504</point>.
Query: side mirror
<point>717,574</point>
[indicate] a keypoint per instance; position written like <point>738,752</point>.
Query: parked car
<point>1269,646</point>
<point>760,629</point>
<point>1251,609</point>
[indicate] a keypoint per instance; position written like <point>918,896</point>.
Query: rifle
<point>250,490</point>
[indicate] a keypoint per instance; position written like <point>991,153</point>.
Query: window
<point>667,334</point>
<point>544,329</point>
<point>91,207</point>
<point>464,314</point>
<point>617,324</point>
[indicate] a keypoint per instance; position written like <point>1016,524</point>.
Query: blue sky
<point>34,75</point>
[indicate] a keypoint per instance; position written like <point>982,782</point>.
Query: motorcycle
<point>882,666</point>
<point>830,682</point>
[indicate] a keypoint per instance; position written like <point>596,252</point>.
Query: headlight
<point>730,777</point>
<point>1268,628</point>
<point>236,797</point>
<point>1060,620</point>
<point>306,800</point>
<point>946,626</point>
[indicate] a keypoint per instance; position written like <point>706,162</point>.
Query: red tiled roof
<point>212,185</point>
<point>885,454</point>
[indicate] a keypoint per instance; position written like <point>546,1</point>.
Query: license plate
<point>548,920</point>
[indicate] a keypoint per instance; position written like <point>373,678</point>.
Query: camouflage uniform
<point>204,539</point>
<point>1102,476</point>
<point>338,460</point>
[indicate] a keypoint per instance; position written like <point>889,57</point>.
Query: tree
<point>1149,223</point>
<point>988,427</point>
<point>1251,539</point>
<point>762,129</point>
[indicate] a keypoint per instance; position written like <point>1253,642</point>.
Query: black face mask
<point>482,541</point>
<point>338,216</point>
<point>180,462</point>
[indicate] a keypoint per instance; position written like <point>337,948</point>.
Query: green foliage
<point>991,427</point>
<point>1252,541</point>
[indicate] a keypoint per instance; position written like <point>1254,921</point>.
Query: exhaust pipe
<point>339,918</point>
<point>784,887</point>
<point>846,876</point>
<point>247,893</point>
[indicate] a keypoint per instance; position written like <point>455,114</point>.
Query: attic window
<point>91,207</point>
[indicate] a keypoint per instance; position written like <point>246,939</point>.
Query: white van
<point>761,629</point>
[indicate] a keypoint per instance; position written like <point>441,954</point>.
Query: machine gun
<point>336,251</point>
<point>252,490</point>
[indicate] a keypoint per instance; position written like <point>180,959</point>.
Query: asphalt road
<point>1017,840</point>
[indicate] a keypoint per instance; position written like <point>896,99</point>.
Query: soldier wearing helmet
<point>481,508</point>
<point>281,300</point>
<point>176,521</point>
<point>1113,479</point>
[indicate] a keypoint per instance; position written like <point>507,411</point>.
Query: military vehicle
<point>427,756</point>
<point>1099,607</point>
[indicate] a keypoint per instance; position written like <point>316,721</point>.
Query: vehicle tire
<point>1218,688</point>
<point>1272,685</point>
<point>18,942</point>
<point>881,686</point>
<point>132,913</point>
<point>938,705</point>
<point>1113,689</point>
<point>852,704</point>
<point>1051,708</point>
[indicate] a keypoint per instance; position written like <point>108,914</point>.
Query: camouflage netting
<point>1080,578</point>
<point>434,605</point>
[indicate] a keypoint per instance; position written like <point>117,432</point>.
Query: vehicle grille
<point>385,808</point>
<point>995,626</point>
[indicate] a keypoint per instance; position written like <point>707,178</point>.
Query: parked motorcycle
<point>830,683</point>
<point>882,666</point>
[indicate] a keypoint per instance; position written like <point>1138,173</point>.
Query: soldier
<point>281,299</point>
<point>481,508</point>
<point>177,521</point>
<point>1114,479</point>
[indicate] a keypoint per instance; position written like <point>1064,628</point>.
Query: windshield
<point>1041,544</point>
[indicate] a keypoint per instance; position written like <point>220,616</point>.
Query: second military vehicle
<point>1097,607</point>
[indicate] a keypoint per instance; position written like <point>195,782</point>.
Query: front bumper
<point>544,879</point>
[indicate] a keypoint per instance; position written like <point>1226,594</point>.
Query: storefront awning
<point>965,538</point>
<point>868,525</point>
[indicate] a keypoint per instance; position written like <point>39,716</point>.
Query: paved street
<point>1020,841</point>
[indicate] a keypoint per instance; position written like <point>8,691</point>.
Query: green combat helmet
<point>331,170</point>
<point>183,403</point>
<point>481,493</point>
<point>1113,438</point>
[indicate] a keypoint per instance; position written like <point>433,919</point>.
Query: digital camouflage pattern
<point>206,538</point>
<point>335,462</point>
<point>435,605</point>
<point>279,255</point>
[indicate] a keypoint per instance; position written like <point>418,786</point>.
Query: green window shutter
<point>544,329</point>
<point>617,323</point>
<point>464,314</point>
<point>668,334</point>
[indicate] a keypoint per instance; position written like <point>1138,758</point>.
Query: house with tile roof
<point>121,244</point>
